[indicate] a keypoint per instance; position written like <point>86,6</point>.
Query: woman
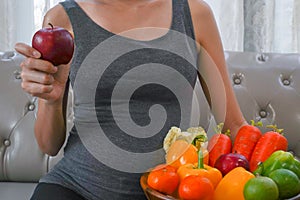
<point>81,175</point>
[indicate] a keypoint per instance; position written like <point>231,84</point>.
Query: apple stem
<point>50,25</point>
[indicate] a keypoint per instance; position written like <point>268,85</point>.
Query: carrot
<point>246,139</point>
<point>219,144</point>
<point>270,142</point>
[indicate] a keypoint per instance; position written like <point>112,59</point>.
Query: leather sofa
<point>21,163</point>
<point>267,87</point>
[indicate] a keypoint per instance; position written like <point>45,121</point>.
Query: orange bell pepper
<point>232,184</point>
<point>200,169</point>
<point>181,152</point>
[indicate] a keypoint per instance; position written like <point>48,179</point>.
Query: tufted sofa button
<point>286,82</point>
<point>262,57</point>
<point>6,142</point>
<point>237,78</point>
<point>263,114</point>
<point>17,74</point>
<point>237,81</point>
<point>31,107</point>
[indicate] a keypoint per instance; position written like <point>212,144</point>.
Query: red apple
<point>56,44</point>
<point>226,162</point>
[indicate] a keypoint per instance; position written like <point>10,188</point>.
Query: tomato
<point>267,144</point>
<point>246,139</point>
<point>195,187</point>
<point>163,178</point>
<point>219,144</point>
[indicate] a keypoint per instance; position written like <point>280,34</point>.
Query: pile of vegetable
<point>255,166</point>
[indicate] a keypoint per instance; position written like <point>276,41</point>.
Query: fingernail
<point>55,69</point>
<point>36,54</point>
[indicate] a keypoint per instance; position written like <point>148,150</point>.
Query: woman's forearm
<point>234,116</point>
<point>50,128</point>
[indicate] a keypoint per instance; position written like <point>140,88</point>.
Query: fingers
<point>39,65</point>
<point>41,78</point>
<point>37,77</point>
<point>27,50</point>
<point>36,89</point>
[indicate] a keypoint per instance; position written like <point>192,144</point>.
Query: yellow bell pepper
<point>232,184</point>
<point>200,169</point>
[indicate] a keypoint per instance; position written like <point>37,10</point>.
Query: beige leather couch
<point>21,161</point>
<point>267,87</point>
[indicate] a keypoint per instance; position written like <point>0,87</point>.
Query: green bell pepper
<point>279,159</point>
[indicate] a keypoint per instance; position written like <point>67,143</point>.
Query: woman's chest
<point>119,19</point>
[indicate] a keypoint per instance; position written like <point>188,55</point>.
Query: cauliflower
<point>195,135</point>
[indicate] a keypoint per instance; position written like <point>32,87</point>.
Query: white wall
<point>21,14</point>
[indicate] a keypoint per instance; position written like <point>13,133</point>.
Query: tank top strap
<point>79,20</point>
<point>182,20</point>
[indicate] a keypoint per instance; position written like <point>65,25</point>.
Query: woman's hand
<point>41,78</point>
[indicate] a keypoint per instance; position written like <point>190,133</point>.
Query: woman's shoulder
<point>58,17</point>
<point>202,16</point>
<point>200,8</point>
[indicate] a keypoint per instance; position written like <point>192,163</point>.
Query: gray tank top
<point>127,95</point>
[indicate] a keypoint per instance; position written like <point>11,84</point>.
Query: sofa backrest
<point>20,156</point>
<point>21,159</point>
<point>267,87</point>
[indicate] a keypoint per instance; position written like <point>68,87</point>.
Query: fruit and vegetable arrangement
<point>255,166</point>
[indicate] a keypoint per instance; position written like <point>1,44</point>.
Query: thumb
<point>27,50</point>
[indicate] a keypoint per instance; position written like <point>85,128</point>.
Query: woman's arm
<point>49,83</point>
<point>212,68</point>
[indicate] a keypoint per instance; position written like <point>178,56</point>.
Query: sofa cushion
<point>16,190</point>
<point>21,158</point>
